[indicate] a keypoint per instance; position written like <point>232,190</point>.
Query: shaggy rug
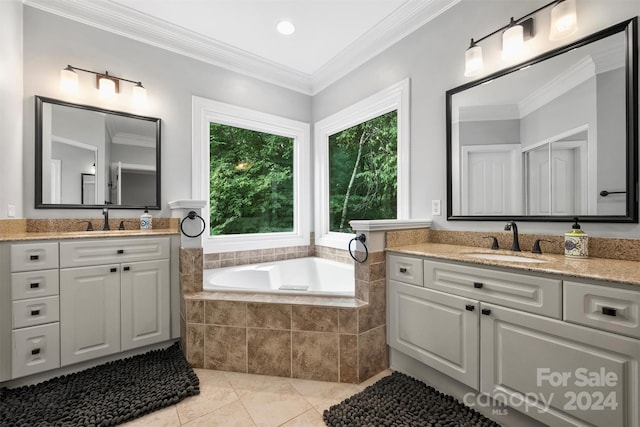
<point>399,400</point>
<point>105,395</point>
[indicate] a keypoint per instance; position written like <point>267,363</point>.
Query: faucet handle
<point>494,243</point>
<point>536,246</point>
<point>89,225</point>
<point>121,226</point>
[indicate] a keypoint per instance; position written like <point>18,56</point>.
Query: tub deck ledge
<point>347,302</point>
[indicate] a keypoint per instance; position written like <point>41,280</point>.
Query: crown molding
<point>402,22</point>
<point>118,19</point>
<point>575,75</point>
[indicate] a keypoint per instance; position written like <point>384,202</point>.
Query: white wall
<point>52,42</point>
<point>433,57</point>
<point>11,107</point>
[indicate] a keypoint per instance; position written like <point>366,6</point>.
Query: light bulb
<point>107,87</point>
<point>564,21</point>
<point>512,42</point>
<point>473,62</point>
<point>139,94</point>
<point>68,80</point>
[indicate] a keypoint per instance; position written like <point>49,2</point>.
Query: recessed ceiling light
<point>286,28</point>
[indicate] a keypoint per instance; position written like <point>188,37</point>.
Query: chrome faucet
<point>511,225</point>
<point>105,212</point>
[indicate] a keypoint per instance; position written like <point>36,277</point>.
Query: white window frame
<point>395,97</point>
<point>205,111</point>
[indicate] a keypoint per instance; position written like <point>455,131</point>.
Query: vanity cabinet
<point>113,307</point>
<point>506,335</point>
<point>35,327</point>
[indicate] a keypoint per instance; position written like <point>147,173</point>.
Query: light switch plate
<point>435,207</point>
<point>11,211</point>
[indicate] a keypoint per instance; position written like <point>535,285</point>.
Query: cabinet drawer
<point>34,256</point>
<point>529,293</point>
<point>602,307</point>
<point>35,349</point>
<point>405,269</point>
<point>109,251</point>
<point>33,284</point>
<point>37,311</point>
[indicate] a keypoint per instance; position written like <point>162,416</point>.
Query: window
<point>252,169</point>
<point>361,164</point>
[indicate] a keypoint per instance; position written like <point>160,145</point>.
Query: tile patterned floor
<point>233,399</point>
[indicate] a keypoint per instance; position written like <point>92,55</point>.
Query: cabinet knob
<point>403,270</point>
<point>34,257</point>
<point>35,312</point>
<point>34,285</point>
<point>478,285</point>
<point>609,311</point>
<point>470,307</point>
<point>35,351</point>
<point>113,269</point>
<point>486,311</point>
<point>120,251</point>
<point>127,268</point>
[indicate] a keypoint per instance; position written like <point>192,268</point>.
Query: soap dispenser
<point>146,220</point>
<point>576,242</point>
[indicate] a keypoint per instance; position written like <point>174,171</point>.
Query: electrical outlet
<point>435,207</point>
<point>11,211</point>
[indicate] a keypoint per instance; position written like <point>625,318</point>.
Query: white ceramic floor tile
<point>322,394</point>
<point>243,383</point>
<point>231,415</point>
<point>270,408</point>
<point>167,417</point>
<point>311,418</point>
<point>215,392</point>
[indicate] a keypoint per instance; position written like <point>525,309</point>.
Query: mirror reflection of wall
<point>119,151</point>
<point>544,140</point>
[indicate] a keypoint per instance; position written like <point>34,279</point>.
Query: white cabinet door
<point>438,329</point>
<point>145,303</point>
<point>89,312</point>
<point>586,377</point>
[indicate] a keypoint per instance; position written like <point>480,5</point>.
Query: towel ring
<point>193,215</point>
<point>360,238</point>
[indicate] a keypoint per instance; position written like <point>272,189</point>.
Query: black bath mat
<point>105,395</point>
<point>399,400</point>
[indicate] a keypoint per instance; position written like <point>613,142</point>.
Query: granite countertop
<point>611,270</point>
<point>61,235</point>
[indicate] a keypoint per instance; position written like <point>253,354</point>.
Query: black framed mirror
<point>549,139</point>
<point>116,154</point>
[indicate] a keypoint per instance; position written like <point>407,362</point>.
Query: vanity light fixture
<point>107,84</point>
<point>564,22</point>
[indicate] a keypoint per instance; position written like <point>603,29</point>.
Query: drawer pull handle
<point>113,269</point>
<point>34,285</point>
<point>478,285</point>
<point>127,268</point>
<point>35,312</point>
<point>34,257</point>
<point>486,311</point>
<point>608,311</point>
<point>35,351</point>
<point>120,251</point>
<point>470,307</point>
<point>403,269</point>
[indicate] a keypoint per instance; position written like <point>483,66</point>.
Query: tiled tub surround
<point>319,338</point>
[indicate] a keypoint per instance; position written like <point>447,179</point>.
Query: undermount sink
<point>504,257</point>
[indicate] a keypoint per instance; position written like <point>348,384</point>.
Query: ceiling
<point>332,37</point>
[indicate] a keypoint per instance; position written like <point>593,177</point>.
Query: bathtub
<point>300,276</point>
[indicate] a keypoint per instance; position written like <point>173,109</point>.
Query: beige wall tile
<point>373,314</point>
<point>228,313</point>
<point>195,345</point>
<point>195,311</point>
<point>315,355</point>
<point>348,321</point>
<point>225,348</point>
<point>273,316</point>
<point>269,352</point>
<point>349,359</point>
<point>373,353</point>
<point>310,318</point>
